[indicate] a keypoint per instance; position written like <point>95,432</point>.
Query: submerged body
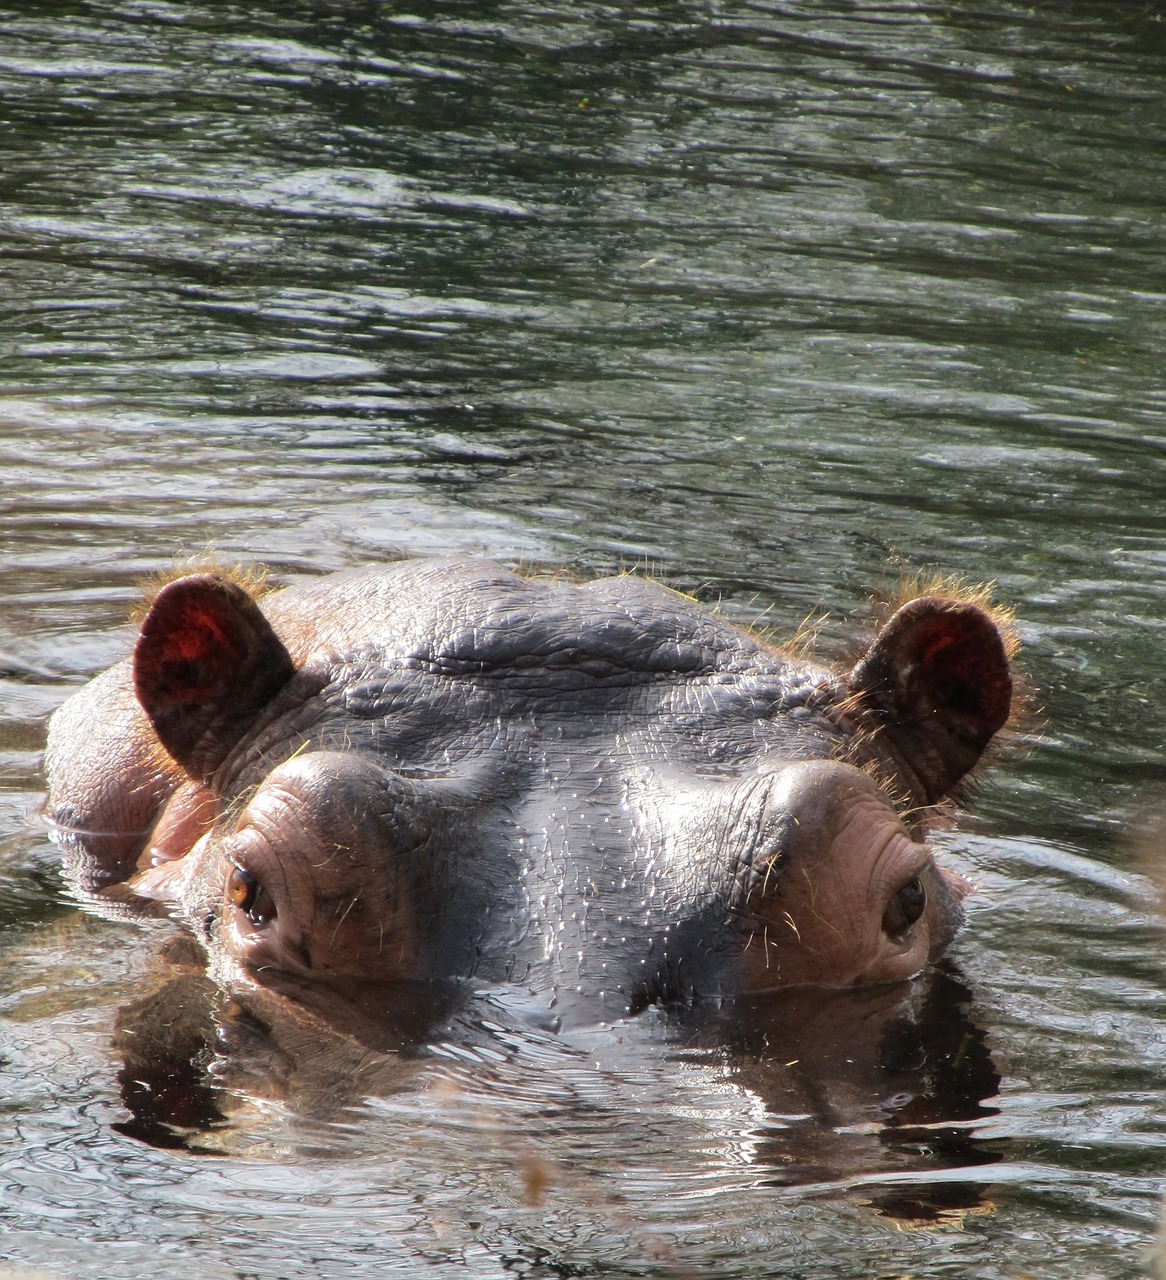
<point>439,769</point>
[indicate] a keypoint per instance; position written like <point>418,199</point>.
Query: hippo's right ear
<point>205,664</point>
<point>938,676</point>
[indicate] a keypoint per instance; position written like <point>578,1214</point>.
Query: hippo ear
<point>938,673</point>
<point>205,663</point>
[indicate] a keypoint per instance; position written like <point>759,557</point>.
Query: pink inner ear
<point>963,660</point>
<point>933,648</point>
<point>206,661</point>
<point>191,657</point>
<point>189,650</point>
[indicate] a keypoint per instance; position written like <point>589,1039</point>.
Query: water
<point>773,299</point>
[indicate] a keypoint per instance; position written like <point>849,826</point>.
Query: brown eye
<point>249,896</point>
<point>904,908</point>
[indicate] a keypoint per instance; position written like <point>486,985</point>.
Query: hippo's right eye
<point>905,908</point>
<point>249,896</point>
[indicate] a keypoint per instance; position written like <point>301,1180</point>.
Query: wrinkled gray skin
<point>440,769</point>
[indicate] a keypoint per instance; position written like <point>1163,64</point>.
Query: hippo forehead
<point>442,653</point>
<point>459,619</point>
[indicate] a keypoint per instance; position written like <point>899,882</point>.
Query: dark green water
<point>773,299</point>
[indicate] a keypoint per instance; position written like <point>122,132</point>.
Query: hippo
<point>442,770</point>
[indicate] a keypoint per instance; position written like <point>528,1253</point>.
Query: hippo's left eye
<point>249,896</point>
<point>904,908</point>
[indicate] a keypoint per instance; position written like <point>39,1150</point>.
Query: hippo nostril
<point>247,895</point>
<point>904,908</point>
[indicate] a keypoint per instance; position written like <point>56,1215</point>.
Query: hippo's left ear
<point>938,674</point>
<point>206,662</point>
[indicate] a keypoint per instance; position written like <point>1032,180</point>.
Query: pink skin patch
<point>959,885</point>
<point>188,816</point>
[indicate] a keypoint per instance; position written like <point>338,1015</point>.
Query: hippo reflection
<point>815,1086</point>
<point>439,769</point>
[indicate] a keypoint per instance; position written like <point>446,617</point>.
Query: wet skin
<point>437,769</point>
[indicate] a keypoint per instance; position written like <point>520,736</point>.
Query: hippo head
<point>443,770</point>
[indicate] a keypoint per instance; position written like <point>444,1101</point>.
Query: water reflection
<point>765,296</point>
<point>870,1081</point>
<point>835,1088</point>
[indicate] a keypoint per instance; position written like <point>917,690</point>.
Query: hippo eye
<point>249,896</point>
<point>904,908</point>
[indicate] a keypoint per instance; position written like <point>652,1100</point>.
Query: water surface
<point>771,299</point>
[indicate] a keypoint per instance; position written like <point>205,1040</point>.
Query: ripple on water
<point>768,300</point>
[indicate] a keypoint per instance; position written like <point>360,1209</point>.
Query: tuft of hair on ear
<point>948,586</point>
<point>255,579</point>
